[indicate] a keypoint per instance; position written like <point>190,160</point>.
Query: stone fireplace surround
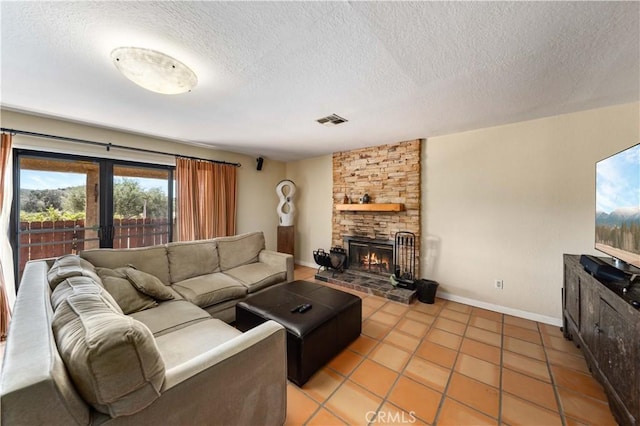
<point>389,174</point>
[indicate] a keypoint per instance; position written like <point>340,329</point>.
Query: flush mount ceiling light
<point>154,70</point>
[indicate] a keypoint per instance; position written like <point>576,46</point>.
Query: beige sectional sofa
<point>212,274</point>
<point>139,337</point>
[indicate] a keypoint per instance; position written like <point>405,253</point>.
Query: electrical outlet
<point>499,284</point>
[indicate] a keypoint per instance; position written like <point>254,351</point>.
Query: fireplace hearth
<point>364,282</point>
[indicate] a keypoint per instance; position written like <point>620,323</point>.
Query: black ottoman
<point>313,337</point>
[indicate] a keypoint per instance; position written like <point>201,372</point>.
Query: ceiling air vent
<point>331,120</point>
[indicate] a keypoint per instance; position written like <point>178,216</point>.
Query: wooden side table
<point>286,239</point>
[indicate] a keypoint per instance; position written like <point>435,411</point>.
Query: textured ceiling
<point>268,70</point>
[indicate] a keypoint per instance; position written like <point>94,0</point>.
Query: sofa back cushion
<point>112,358</point>
<point>239,249</point>
<point>188,259</point>
<point>152,260</point>
<point>70,265</point>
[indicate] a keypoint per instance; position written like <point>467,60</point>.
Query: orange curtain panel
<point>205,199</point>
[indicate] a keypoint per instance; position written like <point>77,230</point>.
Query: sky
<point>33,179</point>
<point>618,181</point>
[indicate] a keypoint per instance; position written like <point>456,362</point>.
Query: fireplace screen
<point>371,256</point>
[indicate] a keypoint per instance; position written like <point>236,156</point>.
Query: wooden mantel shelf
<point>387,207</point>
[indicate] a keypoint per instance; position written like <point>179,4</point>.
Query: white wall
<point>506,202</point>
<point>257,199</point>
<point>314,204</point>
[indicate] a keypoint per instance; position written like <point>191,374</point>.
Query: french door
<point>64,204</point>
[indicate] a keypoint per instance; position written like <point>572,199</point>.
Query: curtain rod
<point>108,145</point>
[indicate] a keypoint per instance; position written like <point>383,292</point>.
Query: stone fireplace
<point>391,176</point>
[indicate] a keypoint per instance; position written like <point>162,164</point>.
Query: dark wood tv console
<point>600,319</point>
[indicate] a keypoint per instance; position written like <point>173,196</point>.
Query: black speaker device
<point>601,269</point>
<point>260,160</point>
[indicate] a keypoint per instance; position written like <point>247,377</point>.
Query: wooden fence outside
<point>40,240</point>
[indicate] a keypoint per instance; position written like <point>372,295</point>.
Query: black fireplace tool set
<point>404,260</point>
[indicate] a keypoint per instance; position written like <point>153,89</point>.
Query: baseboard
<point>479,304</point>
<point>502,309</point>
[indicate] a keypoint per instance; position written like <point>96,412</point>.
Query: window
<point>64,204</point>
<point>140,206</point>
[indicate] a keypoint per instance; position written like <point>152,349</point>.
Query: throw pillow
<point>129,299</point>
<point>107,272</point>
<point>112,359</point>
<point>148,284</point>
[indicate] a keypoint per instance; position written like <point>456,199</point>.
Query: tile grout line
<point>345,378</point>
<point>455,361</point>
<point>459,350</point>
<point>475,379</point>
<point>411,356</point>
<point>400,373</point>
<point>556,394</point>
<point>378,343</point>
<point>321,405</point>
<point>559,410</point>
<point>452,369</point>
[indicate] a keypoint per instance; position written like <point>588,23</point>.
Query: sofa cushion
<point>152,260</point>
<point>239,249</point>
<point>149,284</point>
<point>76,285</point>
<point>208,289</point>
<point>115,281</point>
<point>112,359</point>
<point>170,316</point>
<point>189,259</point>
<point>256,276</point>
<point>70,265</point>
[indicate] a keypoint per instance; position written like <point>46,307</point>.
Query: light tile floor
<point>449,364</point>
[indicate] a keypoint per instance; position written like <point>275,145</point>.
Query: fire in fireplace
<point>375,256</point>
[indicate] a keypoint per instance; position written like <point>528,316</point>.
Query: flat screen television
<point>618,207</point>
